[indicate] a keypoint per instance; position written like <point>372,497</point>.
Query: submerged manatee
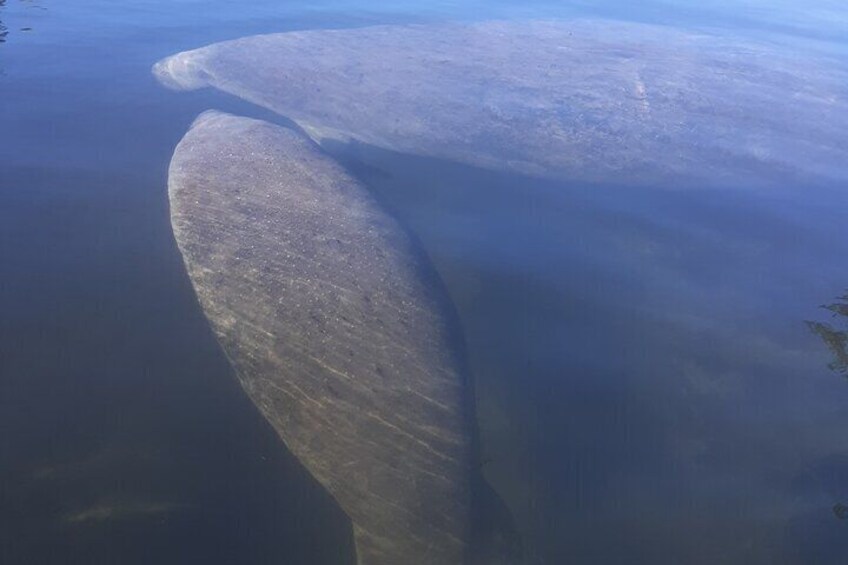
<point>324,309</point>
<point>583,100</point>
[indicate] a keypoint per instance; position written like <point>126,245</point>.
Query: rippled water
<point>647,387</point>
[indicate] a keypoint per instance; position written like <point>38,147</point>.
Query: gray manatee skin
<point>595,101</point>
<point>322,306</point>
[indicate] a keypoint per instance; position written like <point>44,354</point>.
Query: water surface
<point>647,388</point>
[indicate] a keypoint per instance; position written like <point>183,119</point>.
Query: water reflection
<point>834,338</point>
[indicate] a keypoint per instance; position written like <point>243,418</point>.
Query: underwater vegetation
<point>4,31</point>
<point>835,335</point>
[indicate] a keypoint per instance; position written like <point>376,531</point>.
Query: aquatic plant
<point>834,338</point>
<point>3,29</point>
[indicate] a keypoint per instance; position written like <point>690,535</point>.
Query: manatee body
<point>581,100</point>
<point>327,314</point>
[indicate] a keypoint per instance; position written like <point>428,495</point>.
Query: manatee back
<point>598,101</point>
<point>323,307</point>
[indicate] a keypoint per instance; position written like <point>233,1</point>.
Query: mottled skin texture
<point>324,309</point>
<point>583,100</point>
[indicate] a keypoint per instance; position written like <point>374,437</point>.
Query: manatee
<point>595,101</point>
<point>335,328</point>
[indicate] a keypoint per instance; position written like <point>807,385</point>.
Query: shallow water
<point>647,390</point>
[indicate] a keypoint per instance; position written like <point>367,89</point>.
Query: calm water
<point>647,388</point>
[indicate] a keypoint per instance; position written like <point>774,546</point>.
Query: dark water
<point>650,391</point>
<point>647,388</point>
